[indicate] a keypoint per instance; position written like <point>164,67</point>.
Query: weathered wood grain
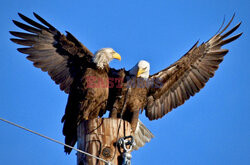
<point>98,137</point>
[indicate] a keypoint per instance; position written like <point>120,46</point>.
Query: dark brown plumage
<point>70,64</point>
<point>135,98</point>
<point>176,83</point>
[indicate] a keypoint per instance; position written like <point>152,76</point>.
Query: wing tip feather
<point>23,50</point>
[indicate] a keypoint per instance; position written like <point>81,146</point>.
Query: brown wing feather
<point>188,75</point>
<point>59,55</point>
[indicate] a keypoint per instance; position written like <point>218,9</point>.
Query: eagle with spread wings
<point>161,92</point>
<point>70,64</point>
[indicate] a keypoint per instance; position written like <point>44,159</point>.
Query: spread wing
<point>63,57</point>
<point>188,75</point>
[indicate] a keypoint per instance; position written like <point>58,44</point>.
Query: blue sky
<point>210,128</point>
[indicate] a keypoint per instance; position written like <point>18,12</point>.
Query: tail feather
<point>70,133</point>
<point>142,135</point>
<point>69,141</point>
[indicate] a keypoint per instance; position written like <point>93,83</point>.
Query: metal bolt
<point>106,152</point>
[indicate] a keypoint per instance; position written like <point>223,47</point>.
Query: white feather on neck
<point>145,75</point>
<point>102,58</point>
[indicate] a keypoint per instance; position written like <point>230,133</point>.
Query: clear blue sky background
<point>210,128</point>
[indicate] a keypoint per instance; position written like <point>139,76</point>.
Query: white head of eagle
<point>104,56</point>
<point>141,69</point>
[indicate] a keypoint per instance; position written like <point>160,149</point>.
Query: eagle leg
<point>113,113</point>
<point>134,119</point>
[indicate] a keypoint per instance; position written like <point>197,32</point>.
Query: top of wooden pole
<point>99,137</point>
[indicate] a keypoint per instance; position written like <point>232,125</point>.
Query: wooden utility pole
<point>99,137</point>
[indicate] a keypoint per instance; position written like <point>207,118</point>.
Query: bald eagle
<point>159,93</point>
<point>70,64</point>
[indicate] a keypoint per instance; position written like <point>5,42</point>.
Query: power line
<point>53,140</point>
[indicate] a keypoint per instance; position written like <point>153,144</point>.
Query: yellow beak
<point>117,56</point>
<point>140,71</point>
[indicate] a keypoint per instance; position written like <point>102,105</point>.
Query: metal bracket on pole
<point>126,143</point>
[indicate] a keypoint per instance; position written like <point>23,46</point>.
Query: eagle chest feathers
<point>135,100</point>
<point>137,95</point>
<point>90,94</point>
<point>96,87</point>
